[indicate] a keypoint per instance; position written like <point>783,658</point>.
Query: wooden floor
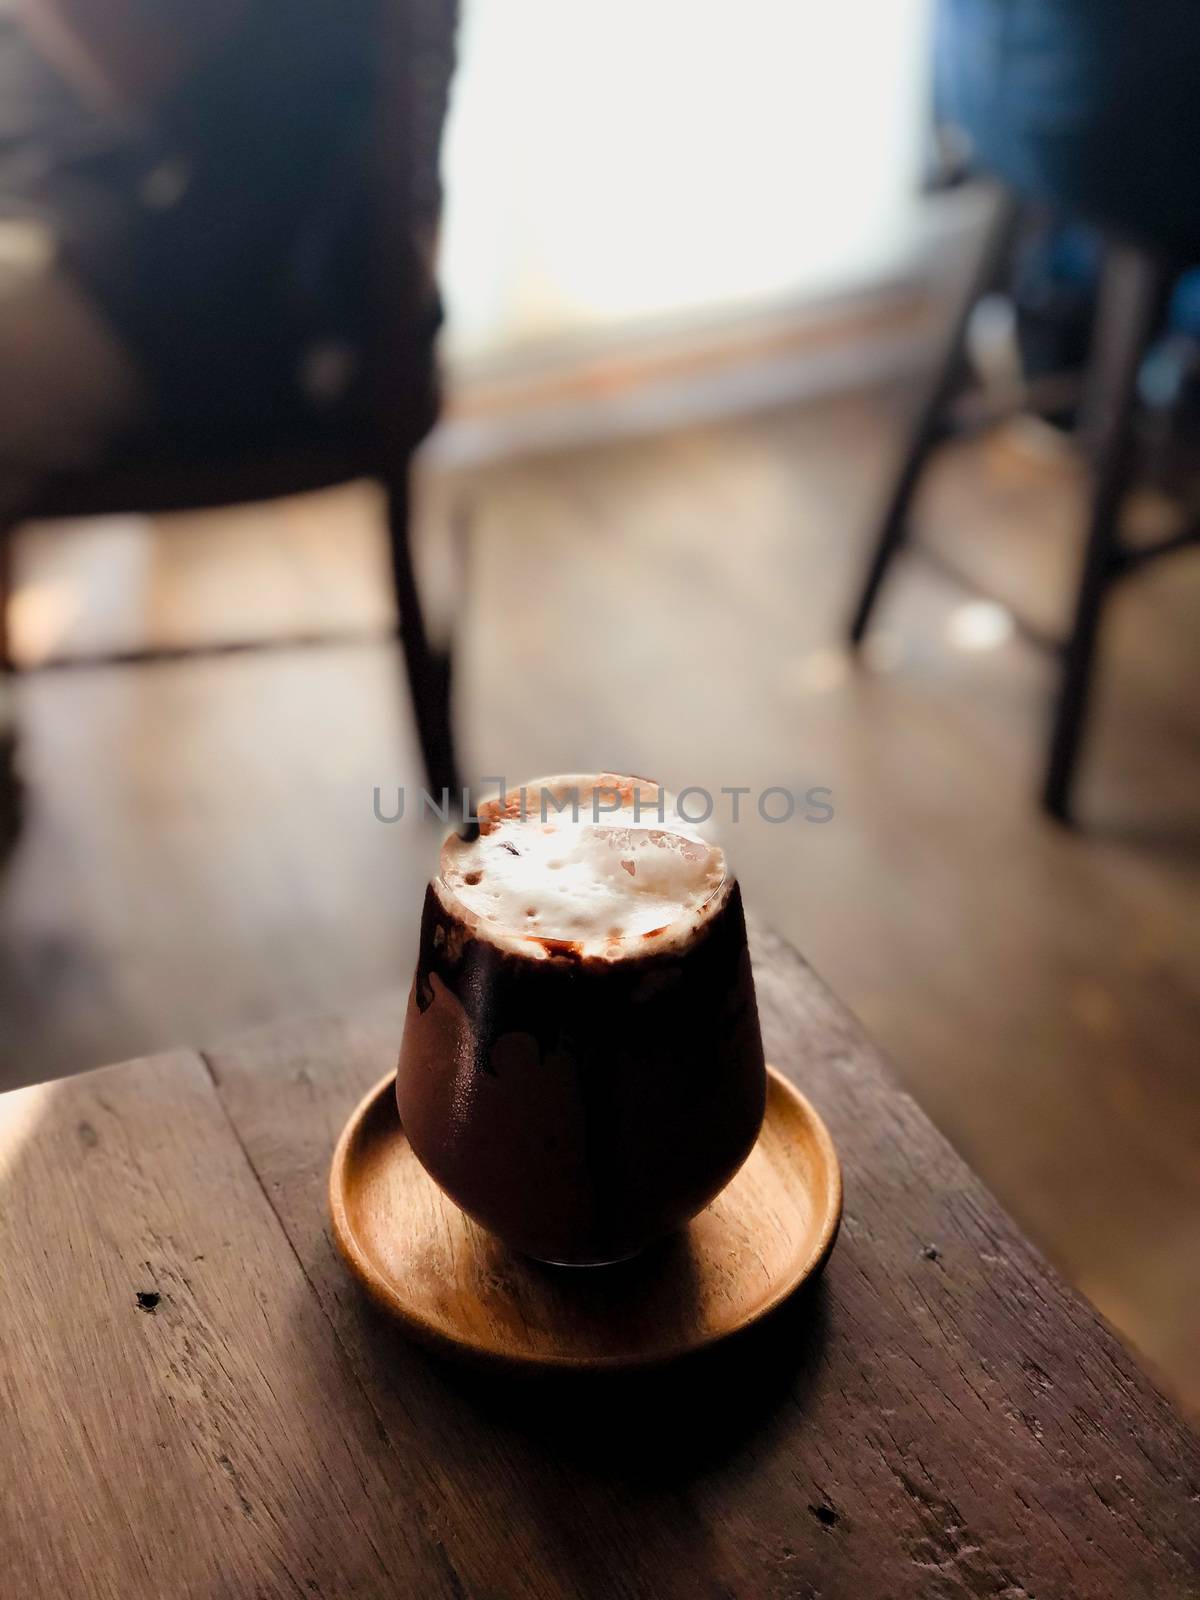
<point>200,851</point>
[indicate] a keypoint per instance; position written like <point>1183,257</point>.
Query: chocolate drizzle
<point>579,1105</point>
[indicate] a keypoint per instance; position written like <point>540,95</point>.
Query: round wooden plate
<point>457,1287</point>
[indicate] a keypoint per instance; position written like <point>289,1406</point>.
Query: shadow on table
<point>664,1425</point>
<point>614,1483</point>
<point>1171,840</point>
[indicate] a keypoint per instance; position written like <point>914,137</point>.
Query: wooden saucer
<point>457,1287</point>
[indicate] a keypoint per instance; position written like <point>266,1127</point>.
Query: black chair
<point>1071,103</point>
<point>375,439</point>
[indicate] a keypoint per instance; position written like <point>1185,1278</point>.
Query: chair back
<point>418,55</point>
<point>1091,105</point>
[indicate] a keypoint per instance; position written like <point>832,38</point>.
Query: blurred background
<point>736,310</point>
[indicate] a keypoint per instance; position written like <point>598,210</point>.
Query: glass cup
<point>581,1093</point>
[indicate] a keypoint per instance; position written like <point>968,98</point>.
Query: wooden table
<point>939,1417</point>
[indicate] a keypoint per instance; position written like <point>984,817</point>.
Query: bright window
<point>613,161</point>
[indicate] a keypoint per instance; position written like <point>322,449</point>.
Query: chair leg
<point>994,255</point>
<point>1133,290</point>
<point>428,668</point>
<point>10,788</point>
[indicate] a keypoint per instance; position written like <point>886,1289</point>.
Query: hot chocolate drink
<point>582,1069</point>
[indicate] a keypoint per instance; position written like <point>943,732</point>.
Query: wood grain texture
<point>177,1417</point>
<point>454,1285</point>
<point>939,1417</point>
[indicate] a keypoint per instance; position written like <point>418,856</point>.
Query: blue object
<point>1091,105</point>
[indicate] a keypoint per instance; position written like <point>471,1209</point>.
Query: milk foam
<point>602,886</point>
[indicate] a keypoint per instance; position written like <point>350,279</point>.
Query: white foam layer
<point>604,886</point>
